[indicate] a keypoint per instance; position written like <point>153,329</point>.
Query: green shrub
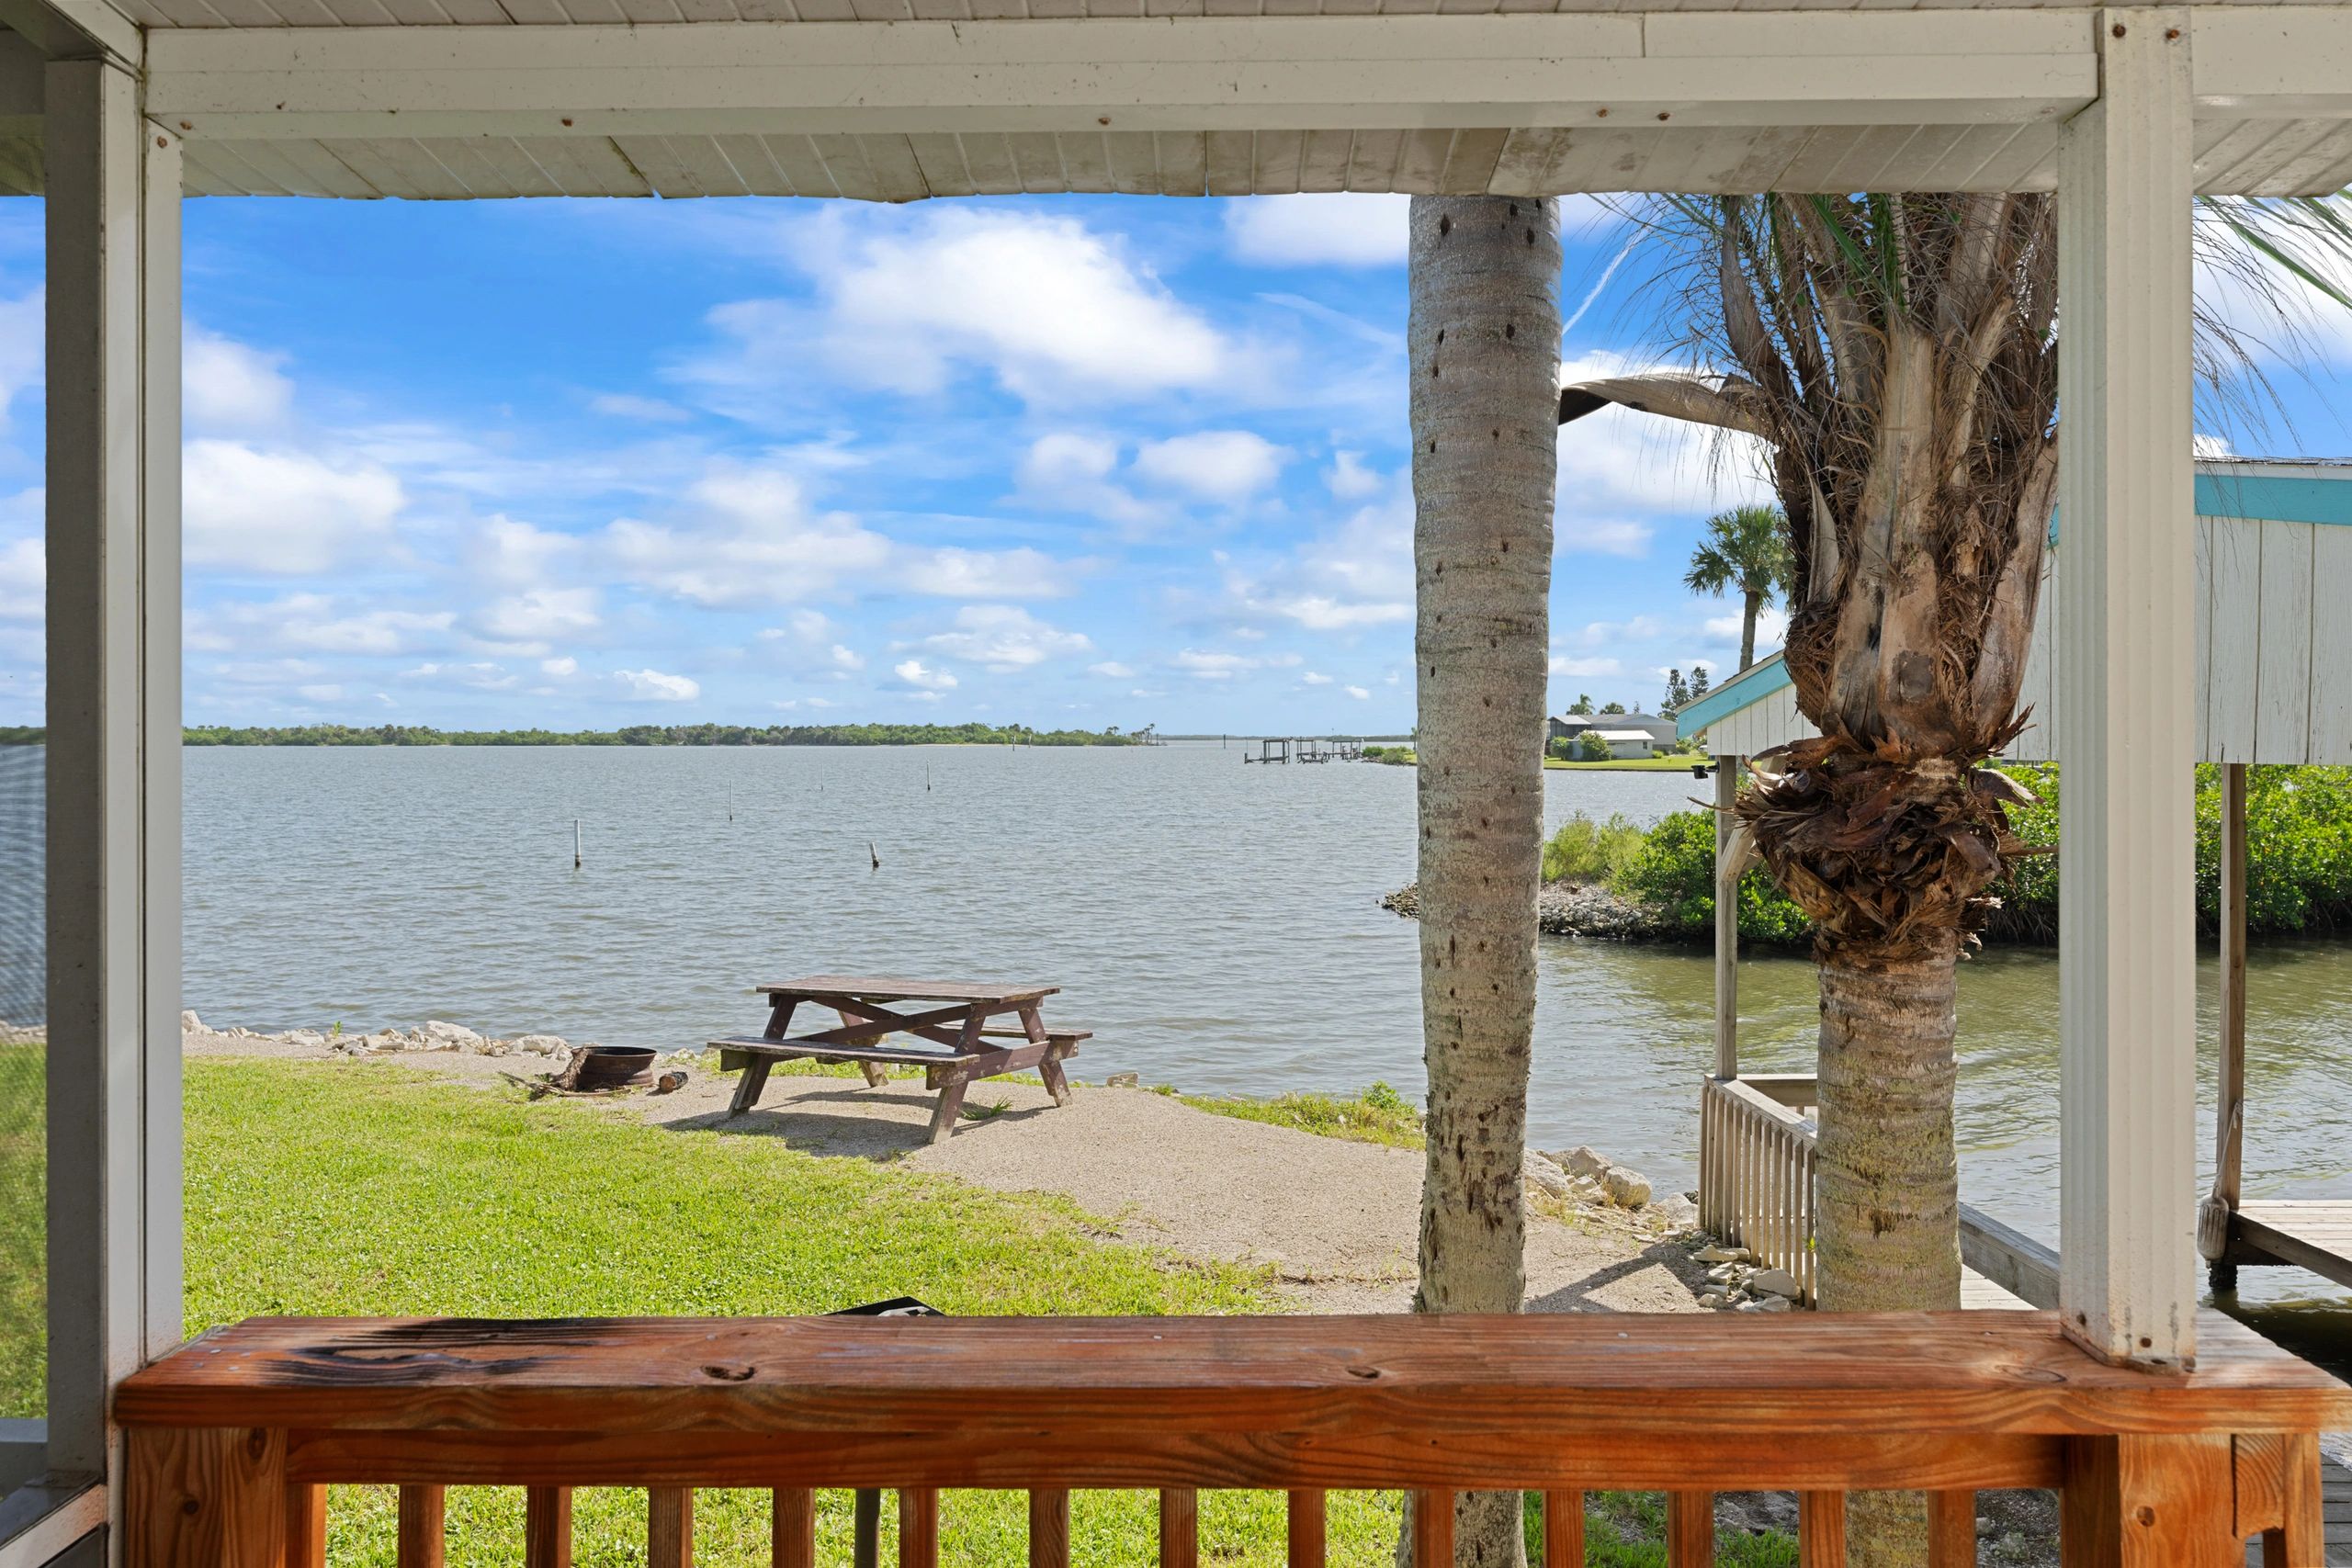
<point>2298,861</point>
<point>1581,850</point>
<point>1592,748</point>
<point>1675,869</point>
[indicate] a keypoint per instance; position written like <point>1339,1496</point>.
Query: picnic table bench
<point>963,1047</point>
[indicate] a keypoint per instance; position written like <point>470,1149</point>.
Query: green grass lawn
<point>346,1189</point>
<point>1629,765</point>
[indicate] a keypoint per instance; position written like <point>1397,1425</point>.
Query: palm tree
<point>1744,549</point>
<point>1483,344</point>
<point>1897,356</point>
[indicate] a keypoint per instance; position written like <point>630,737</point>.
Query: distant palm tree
<point>1746,551</point>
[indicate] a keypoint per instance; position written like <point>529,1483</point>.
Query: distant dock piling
<point>575,843</point>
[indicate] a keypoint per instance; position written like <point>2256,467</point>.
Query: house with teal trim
<point>2273,632</point>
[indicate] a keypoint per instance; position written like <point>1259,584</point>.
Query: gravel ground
<point>1337,1220</point>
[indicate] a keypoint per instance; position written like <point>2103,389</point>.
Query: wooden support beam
<point>1690,1529</point>
<point>306,1525</point>
<point>1179,1527</point>
<point>2126,675</point>
<point>2149,1502</point>
<point>1952,1529</point>
<point>670,1526</point>
<point>1048,1527</point>
<point>2229,1120</point>
<point>214,1495</point>
<point>113,713</point>
<point>792,1534</point>
<point>1307,1528</point>
<point>1562,1530</point>
<point>1821,1529</point>
<point>1433,1528</point>
<point>423,1527</point>
<point>1727,924</point>
<point>547,1526</point>
<point>919,1527</point>
<point>2298,1540</point>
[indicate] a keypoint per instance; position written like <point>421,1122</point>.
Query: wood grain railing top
<point>1160,1382</point>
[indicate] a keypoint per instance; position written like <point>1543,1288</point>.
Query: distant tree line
<point>636,734</point>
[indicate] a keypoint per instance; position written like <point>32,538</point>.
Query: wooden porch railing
<point>1756,1157</point>
<point>1756,1167</point>
<point>234,1438</point>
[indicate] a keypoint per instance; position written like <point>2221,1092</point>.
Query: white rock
<point>1768,1304</point>
<point>310,1038</point>
<point>540,1044</point>
<point>1716,1252</point>
<point>1627,1190</point>
<point>1542,1173</point>
<point>1584,1162</point>
<point>1714,1303</point>
<point>190,1023</point>
<point>1775,1282</point>
<point>464,1039</point>
<point>1725,1273</point>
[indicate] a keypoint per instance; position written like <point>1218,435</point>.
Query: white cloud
<point>1111,668</point>
<point>1587,669</point>
<point>332,628</point>
<point>1350,480</point>
<point>916,673</point>
<point>508,554</point>
<point>1227,466</point>
<point>540,614</point>
<point>23,335</point>
<point>24,579</point>
<point>1054,311</point>
<point>560,667</point>
<point>749,537</point>
<point>629,405</point>
<point>320,694</point>
<point>1318,229</point>
<point>1595,537</point>
<point>281,511</point>
<point>1002,638</point>
<point>1209,665</point>
<point>654,686</point>
<point>1356,575</point>
<point>1357,691</point>
<point>1070,470</point>
<point>1315,678</point>
<point>230,387</point>
<point>1772,628</point>
<point>479,677</point>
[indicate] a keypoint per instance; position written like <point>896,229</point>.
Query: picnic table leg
<point>950,1106</point>
<point>876,1075</point>
<point>1050,1067</point>
<point>748,1087</point>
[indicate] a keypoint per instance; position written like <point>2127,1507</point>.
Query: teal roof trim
<point>2280,497</point>
<point>1751,686</point>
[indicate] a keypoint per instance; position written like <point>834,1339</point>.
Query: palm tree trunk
<point>1484,347</point>
<point>1748,630</point>
<point>1887,1192</point>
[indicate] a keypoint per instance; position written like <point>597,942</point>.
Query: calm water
<point>1216,925</point>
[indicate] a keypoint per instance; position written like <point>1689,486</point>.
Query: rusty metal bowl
<point>608,1067</point>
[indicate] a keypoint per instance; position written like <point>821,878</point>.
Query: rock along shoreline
<point>1576,908</point>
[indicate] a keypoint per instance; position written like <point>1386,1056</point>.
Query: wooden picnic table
<point>962,1048</point>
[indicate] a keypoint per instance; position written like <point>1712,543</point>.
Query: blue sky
<point>1072,461</point>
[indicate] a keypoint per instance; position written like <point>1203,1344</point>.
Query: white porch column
<point>113,189</point>
<point>2126,952</point>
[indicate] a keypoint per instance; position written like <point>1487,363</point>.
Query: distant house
<point>1657,730</point>
<point>1623,743</point>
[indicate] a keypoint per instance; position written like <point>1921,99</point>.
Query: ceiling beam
<point>1607,71</point>
<point>2271,61</point>
<point>74,29</point>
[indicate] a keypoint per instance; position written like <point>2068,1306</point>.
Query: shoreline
<point>1335,1217</point>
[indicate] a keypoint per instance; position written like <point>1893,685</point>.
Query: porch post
<point>1726,923</point>
<point>2126,935</point>
<point>112,212</point>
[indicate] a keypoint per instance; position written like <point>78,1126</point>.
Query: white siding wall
<point>2273,643</point>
